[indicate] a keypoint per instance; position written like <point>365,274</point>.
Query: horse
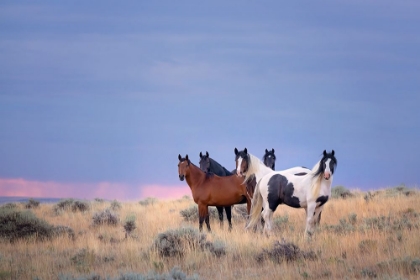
<point>251,168</point>
<point>269,159</point>
<point>209,165</point>
<point>308,189</point>
<point>211,190</point>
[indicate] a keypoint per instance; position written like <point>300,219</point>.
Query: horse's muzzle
<point>181,177</point>
<point>327,176</point>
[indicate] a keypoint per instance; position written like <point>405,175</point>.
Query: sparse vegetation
<point>32,203</point>
<point>356,240</point>
<point>340,192</point>
<point>191,213</point>
<point>105,217</point>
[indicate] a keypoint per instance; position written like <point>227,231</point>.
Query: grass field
<point>375,235</point>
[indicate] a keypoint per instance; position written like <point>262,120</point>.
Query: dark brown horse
<point>212,190</point>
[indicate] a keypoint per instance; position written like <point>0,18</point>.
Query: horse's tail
<point>257,204</point>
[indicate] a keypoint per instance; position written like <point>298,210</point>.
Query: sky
<point>98,98</point>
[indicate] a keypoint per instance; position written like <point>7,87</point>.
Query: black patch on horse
<point>301,174</point>
<point>322,200</point>
<point>280,190</point>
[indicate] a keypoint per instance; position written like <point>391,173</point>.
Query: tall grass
<point>358,238</point>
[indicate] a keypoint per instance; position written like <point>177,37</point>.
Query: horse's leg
<point>203,214</point>
<point>267,215</point>
<point>228,210</point>
<point>310,219</point>
<point>317,216</point>
<point>220,212</point>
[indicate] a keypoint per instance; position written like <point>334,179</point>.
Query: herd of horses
<point>256,183</point>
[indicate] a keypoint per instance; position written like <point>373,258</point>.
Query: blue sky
<point>98,98</point>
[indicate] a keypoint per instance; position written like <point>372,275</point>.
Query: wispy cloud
<point>105,190</point>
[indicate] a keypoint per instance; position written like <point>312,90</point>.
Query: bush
<point>71,204</point>
<point>61,230</point>
<point>81,206</point>
<point>340,192</point>
<point>15,224</point>
<point>283,251</point>
<point>32,203</point>
<point>9,205</point>
<point>105,217</point>
<point>175,274</point>
<point>148,201</point>
<point>115,205</point>
<point>175,243</point>
<point>129,225</point>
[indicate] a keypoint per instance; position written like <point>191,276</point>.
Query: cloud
<point>105,190</point>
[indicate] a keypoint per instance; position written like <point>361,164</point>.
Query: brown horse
<point>212,190</point>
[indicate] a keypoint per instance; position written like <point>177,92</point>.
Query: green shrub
<point>9,205</point>
<point>71,204</point>
<point>105,217</point>
<point>15,224</point>
<point>340,192</point>
<point>283,251</point>
<point>175,274</point>
<point>32,203</point>
<point>129,225</point>
<point>115,205</point>
<point>148,201</point>
<point>175,243</point>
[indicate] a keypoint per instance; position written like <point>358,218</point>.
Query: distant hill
<point>21,199</point>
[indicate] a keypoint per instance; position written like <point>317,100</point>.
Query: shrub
<point>105,217</point>
<point>15,224</point>
<point>115,205</point>
<point>148,201</point>
<point>32,203</point>
<point>367,246</point>
<point>340,192</point>
<point>83,259</point>
<point>60,230</point>
<point>9,205</point>
<point>81,206</point>
<point>191,213</point>
<point>129,225</point>
<point>175,274</point>
<point>283,251</point>
<point>280,222</point>
<point>175,243</point>
<point>71,204</point>
<point>63,204</point>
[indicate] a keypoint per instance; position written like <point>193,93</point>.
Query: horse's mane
<point>253,166</point>
<point>212,161</point>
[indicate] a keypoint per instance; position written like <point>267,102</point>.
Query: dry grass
<point>390,250</point>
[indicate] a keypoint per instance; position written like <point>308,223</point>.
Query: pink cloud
<point>105,190</point>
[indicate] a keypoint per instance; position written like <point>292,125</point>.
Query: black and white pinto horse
<point>209,165</point>
<point>304,188</point>
<point>242,157</point>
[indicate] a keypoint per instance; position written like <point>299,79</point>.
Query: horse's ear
<point>207,154</point>
<point>186,157</point>
<point>236,151</point>
<point>332,152</point>
<point>325,153</point>
<point>201,155</point>
<point>266,151</point>
<point>272,150</point>
<point>179,157</point>
<point>245,151</point>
